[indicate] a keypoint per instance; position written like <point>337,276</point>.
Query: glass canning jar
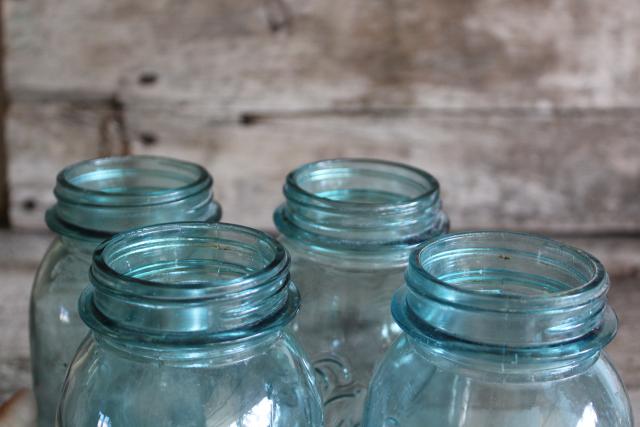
<point>501,329</point>
<point>350,225</point>
<point>96,199</point>
<point>188,329</point>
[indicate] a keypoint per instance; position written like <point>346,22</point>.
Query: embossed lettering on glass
<point>188,329</point>
<point>96,199</point>
<point>350,226</point>
<point>501,329</point>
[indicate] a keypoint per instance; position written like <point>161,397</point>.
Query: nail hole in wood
<point>148,138</point>
<point>29,205</point>
<point>147,78</point>
<point>247,119</point>
<point>275,26</point>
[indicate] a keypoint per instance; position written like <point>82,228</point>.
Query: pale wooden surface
<point>294,55</point>
<point>19,410</point>
<point>571,172</point>
<point>45,137</point>
<point>527,112</point>
<point>21,251</point>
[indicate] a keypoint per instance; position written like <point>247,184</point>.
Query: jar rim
<point>69,189</point>
<point>100,197</point>
<point>293,183</point>
<point>208,282</point>
<point>559,298</point>
<point>279,262</point>
<point>361,205</point>
<point>503,292</point>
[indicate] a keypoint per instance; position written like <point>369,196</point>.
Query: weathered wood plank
<point>43,138</point>
<point>555,173</point>
<point>233,56</point>
<point>623,351</point>
<point>4,166</point>
<point>552,173</point>
<point>20,253</point>
<point>15,368</point>
<point>22,250</point>
<point>19,410</point>
<point>4,187</point>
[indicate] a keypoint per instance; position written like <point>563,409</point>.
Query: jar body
<point>243,384</point>
<point>411,388</point>
<point>350,225</point>
<point>501,329</point>
<point>56,329</point>
<point>96,199</point>
<point>188,328</point>
<point>344,324</point>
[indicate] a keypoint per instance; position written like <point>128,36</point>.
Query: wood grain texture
<point>554,173</point>
<point>20,253</point>
<point>233,56</point>
<point>4,186</point>
<point>15,369</point>
<point>19,410</point>
<point>42,139</point>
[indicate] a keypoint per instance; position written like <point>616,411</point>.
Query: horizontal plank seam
<point>19,267</point>
<point>4,158</point>
<point>251,117</point>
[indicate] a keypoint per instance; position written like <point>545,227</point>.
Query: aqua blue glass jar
<point>188,329</point>
<point>501,329</point>
<point>96,199</point>
<point>350,225</point>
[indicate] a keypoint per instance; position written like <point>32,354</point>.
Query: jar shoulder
<point>144,392</point>
<point>407,388</point>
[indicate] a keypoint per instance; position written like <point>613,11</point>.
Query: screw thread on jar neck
<point>189,283</point>
<point>360,204</point>
<point>507,296</point>
<point>100,197</point>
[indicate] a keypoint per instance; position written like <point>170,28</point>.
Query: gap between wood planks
<point>4,175</point>
<point>120,103</point>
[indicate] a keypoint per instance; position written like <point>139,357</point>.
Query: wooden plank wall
<point>526,111</point>
<point>4,189</point>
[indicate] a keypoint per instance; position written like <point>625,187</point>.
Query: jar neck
<point>100,197</point>
<point>189,284</point>
<point>510,299</point>
<point>360,205</point>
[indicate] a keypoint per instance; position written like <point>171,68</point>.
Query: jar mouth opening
<point>189,282</point>
<point>361,184</point>
<point>505,266</point>
<point>498,291</point>
<point>130,181</point>
<point>188,260</point>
